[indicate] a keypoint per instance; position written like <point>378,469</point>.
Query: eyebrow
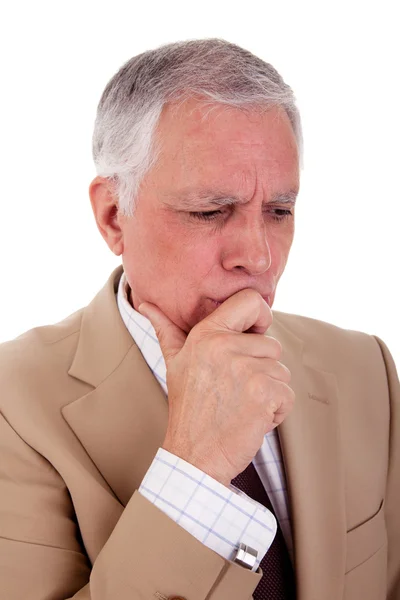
<point>197,198</point>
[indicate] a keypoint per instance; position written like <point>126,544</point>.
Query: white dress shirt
<point>218,516</point>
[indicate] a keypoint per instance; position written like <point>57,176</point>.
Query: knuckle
<point>286,374</point>
<point>214,346</point>
<point>254,299</point>
<point>279,418</point>
<point>240,366</point>
<point>282,395</point>
<point>220,339</point>
<point>217,345</point>
<point>257,386</point>
<point>278,370</point>
<point>288,395</point>
<point>274,347</point>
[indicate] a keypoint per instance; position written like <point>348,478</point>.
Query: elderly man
<point>176,438</point>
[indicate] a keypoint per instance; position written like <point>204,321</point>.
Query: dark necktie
<point>277,582</point>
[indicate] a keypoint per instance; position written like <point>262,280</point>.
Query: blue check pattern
<point>220,517</point>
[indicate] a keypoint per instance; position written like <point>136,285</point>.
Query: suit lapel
<point>121,423</point>
<point>311,452</point>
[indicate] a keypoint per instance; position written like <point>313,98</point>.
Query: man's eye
<point>278,215</point>
<point>281,214</point>
<point>208,215</point>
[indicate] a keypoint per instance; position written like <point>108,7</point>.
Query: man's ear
<point>105,208</point>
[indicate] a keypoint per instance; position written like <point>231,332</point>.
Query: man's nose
<point>247,248</point>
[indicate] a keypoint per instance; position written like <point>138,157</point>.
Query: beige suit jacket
<point>82,418</point>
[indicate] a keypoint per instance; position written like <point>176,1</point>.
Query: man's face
<point>187,248</point>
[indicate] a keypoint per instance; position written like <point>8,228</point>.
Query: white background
<point>342,60</point>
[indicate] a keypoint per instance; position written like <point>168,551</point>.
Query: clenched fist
<point>226,388</point>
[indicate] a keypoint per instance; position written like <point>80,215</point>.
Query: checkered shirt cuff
<point>218,516</point>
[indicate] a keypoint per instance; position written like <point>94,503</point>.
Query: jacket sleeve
<point>147,555</point>
<point>392,500</point>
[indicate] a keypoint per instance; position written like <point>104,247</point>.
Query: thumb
<point>170,336</point>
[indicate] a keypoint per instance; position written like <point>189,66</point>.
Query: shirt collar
<point>143,334</point>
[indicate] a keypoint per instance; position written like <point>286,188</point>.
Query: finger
<point>170,336</point>
<point>276,370</point>
<point>286,405</point>
<point>244,310</point>
<point>266,367</point>
<point>256,345</point>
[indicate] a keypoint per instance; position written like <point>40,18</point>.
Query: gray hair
<point>130,107</point>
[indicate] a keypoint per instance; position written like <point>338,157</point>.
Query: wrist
<point>202,463</point>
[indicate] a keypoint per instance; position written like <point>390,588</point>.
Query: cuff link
<point>245,556</point>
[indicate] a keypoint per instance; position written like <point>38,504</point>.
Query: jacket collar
<point>122,421</point>
<point>104,340</point>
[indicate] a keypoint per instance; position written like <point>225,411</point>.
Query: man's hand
<point>226,388</point>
